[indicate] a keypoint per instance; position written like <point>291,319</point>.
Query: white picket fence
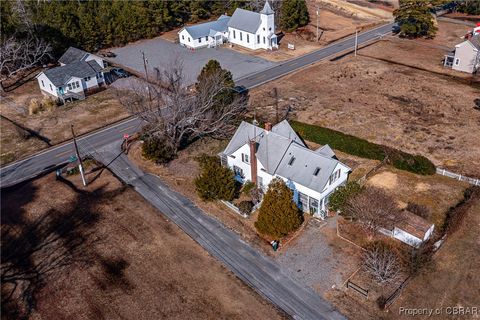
<point>443,172</point>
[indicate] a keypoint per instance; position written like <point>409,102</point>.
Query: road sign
<point>126,136</point>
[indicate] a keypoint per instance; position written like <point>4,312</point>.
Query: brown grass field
<point>95,112</point>
<point>132,264</point>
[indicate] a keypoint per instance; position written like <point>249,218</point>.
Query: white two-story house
<point>466,56</point>
<point>259,155</point>
<point>253,30</point>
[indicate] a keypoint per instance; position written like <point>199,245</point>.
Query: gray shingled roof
<point>304,166</point>
<point>204,29</point>
<point>80,69</point>
<point>275,149</point>
<point>245,20</point>
<point>475,40</point>
<point>326,151</point>
<point>72,55</point>
<point>267,9</point>
<point>284,129</point>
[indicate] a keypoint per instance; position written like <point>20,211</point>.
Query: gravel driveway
<point>162,53</point>
<point>318,258</point>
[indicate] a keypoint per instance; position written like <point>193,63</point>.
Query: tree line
<point>93,25</point>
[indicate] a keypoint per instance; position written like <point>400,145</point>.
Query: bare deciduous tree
<point>374,209</point>
<point>18,54</point>
<point>382,263</point>
<point>181,115</point>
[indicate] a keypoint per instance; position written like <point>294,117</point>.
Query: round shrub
<point>158,149</point>
<point>245,207</point>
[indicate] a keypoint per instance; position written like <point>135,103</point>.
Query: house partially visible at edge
<point>252,30</point>
<point>79,72</point>
<point>466,56</point>
<point>261,154</point>
<point>412,229</point>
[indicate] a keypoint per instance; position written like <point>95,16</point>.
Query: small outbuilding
<point>412,229</point>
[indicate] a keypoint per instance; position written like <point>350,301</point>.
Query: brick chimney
<point>268,126</point>
<point>253,160</point>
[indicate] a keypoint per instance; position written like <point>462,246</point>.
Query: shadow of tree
<point>37,250</point>
<point>31,133</point>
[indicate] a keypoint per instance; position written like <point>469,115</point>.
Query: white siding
<point>241,38</point>
<point>465,57</point>
<point>187,40</point>
<point>46,85</point>
<point>73,82</point>
<point>406,237</point>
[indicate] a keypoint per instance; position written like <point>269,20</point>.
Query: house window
<point>43,85</point>
<point>292,160</point>
<point>238,171</point>
<point>245,158</point>
<point>87,78</point>
<point>248,38</point>
<point>69,86</point>
<point>313,205</point>
<point>317,170</point>
<point>263,29</point>
<point>334,176</point>
<point>234,35</point>
<point>241,36</point>
<point>78,85</point>
<point>270,29</point>
<point>206,38</point>
<point>51,87</point>
<point>183,37</point>
<point>457,62</point>
<point>199,40</point>
<point>263,40</point>
<point>258,38</point>
<point>188,39</point>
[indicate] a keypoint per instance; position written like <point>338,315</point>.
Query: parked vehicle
<point>119,72</point>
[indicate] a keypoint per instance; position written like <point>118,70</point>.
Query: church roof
<point>267,9</point>
<point>205,29</point>
<point>245,20</point>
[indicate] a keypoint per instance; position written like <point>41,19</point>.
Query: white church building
<point>252,30</point>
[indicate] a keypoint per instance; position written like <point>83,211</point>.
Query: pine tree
<point>416,19</point>
<point>215,182</point>
<point>214,69</point>
<point>278,215</point>
<point>293,14</point>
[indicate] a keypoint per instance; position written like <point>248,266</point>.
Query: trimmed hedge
<point>363,148</point>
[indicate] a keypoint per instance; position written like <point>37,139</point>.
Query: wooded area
<point>93,25</point>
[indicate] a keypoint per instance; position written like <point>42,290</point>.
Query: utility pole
<point>318,9</point>
<point>145,62</point>
<point>275,96</point>
<point>80,165</point>
<point>356,41</point>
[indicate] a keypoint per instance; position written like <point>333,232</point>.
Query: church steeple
<point>267,10</point>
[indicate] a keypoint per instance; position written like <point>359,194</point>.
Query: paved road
<point>252,267</point>
<point>292,65</point>
<point>46,160</point>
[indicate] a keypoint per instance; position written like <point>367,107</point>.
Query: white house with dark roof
<point>253,30</point>
<point>466,56</point>
<point>259,155</point>
<point>78,73</point>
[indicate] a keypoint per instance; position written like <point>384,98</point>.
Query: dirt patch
<point>51,127</point>
<point>139,266</point>
<point>384,180</point>
<point>437,193</point>
<point>416,111</point>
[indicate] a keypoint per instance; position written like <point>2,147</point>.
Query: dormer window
<point>292,160</point>
<point>316,172</point>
